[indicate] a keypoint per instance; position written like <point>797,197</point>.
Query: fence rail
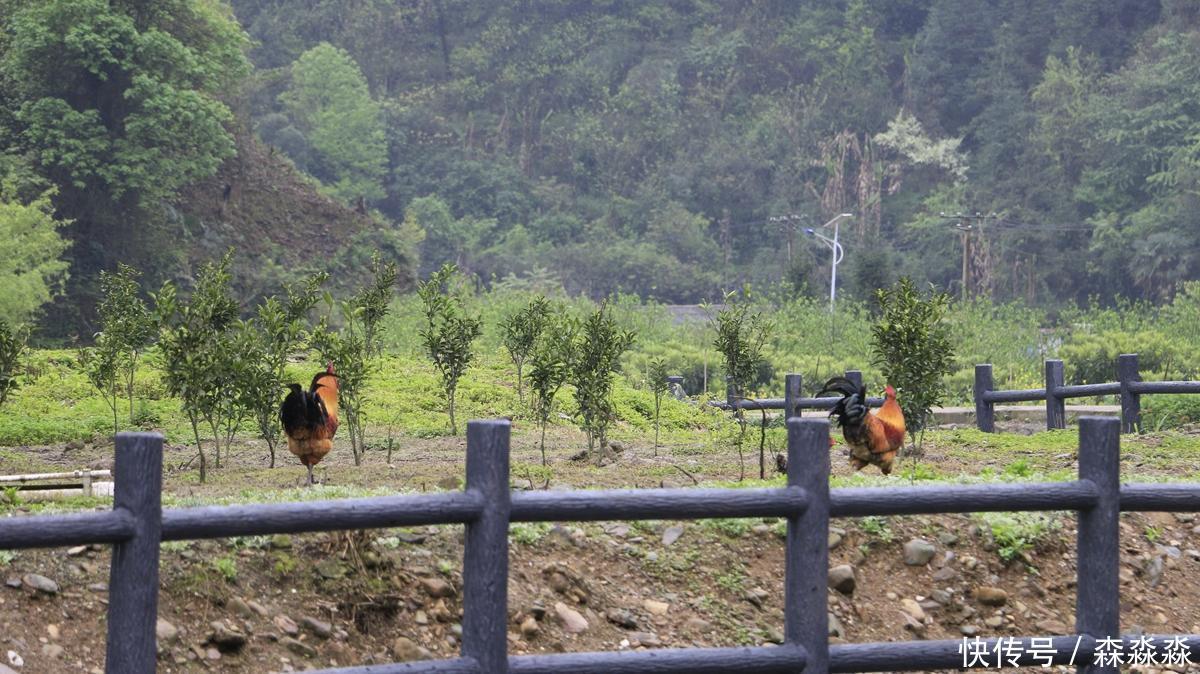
<point>1055,393</point>
<point>137,525</point>
<point>1129,386</point>
<point>792,401</point>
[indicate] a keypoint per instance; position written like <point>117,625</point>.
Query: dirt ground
<point>290,603</point>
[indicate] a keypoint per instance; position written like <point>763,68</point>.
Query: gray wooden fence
<point>792,401</point>
<point>1129,386</point>
<point>137,524</point>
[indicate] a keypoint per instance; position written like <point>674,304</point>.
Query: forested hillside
<point>615,145</point>
<point>645,146</point>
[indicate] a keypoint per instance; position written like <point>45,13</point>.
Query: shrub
<point>13,348</point>
<point>594,361</point>
<point>911,345</point>
<point>520,331</point>
<point>448,332</point>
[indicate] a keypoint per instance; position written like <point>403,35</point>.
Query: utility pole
<point>788,224</point>
<point>964,223</point>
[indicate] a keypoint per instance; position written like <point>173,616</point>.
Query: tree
<point>199,351</point>
<point>550,366</point>
<point>347,350</point>
<point>31,269</point>
<point>101,363</point>
<point>520,333</point>
<point>118,105</point>
<point>910,343</point>
<point>355,349</point>
<point>594,361</point>
<point>127,321</point>
<point>331,104</point>
<point>656,376</point>
<point>14,341</point>
<point>267,340</point>
<point>740,336</point>
<point>448,332</point>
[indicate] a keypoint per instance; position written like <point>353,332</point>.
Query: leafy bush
<point>448,332</point>
<point>199,353</point>
<point>911,344</point>
<point>550,367</point>
<point>1015,534</point>
<point>1091,358</point>
<point>520,332</point>
<point>13,348</point>
<point>595,358</point>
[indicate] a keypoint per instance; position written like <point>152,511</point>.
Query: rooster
<point>310,418</point>
<point>873,437</point>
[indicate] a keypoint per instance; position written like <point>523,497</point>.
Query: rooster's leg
<point>310,475</point>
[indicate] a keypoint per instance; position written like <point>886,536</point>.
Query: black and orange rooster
<point>874,437</point>
<point>310,418</point>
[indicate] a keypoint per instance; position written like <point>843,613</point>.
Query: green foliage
<point>102,363</point>
<point>911,344</point>
<point>121,102</point>
<point>31,271</point>
<point>265,342</point>
<point>200,353</point>
<point>331,105</point>
<point>876,526</point>
<point>126,328</point>
<point>656,376</point>
<point>13,351</point>
<point>227,567</point>
<point>1016,534</point>
<point>550,365</point>
<point>595,358</point>
<point>373,302</point>
<point>520,332</point>
<point>448,332</point>
<point>741,332</point>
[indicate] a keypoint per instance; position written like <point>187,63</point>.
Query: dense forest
<point>1043,150</point>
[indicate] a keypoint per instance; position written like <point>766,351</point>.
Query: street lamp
<point>838,252</point>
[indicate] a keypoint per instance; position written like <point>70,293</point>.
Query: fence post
<point>1098,607</point>
<point>806,574</point>
<point>791,396</point>
<point>855,376</point>
<point>133,579</point>
<point>985,412</point>
<point>1056,407</point>
<point>485,556</point>
<point>1131,403</point>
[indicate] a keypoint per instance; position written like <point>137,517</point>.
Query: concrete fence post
<point>1056,407</point>
<point>133,578</point>
<point>791,396</point>
<point>485,557</point>
<point>1098,605</point>
<point>806,572</point>
<point>1131,403</point>
<point>985,412</point>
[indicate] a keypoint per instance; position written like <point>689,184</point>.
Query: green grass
<point>1016,534</point>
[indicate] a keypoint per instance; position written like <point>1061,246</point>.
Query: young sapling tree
<point>549,367</point>
<point>520,335</point>
<point>910,343</point>
<point>594,361</point>
<point>196,344</point>
<point>656,376</point>
<point>740,336</point>
<point>448,332</point>
<point>14,343</point>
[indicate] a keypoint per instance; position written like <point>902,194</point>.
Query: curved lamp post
<point>838,252</point>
